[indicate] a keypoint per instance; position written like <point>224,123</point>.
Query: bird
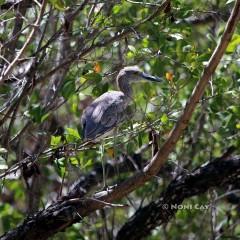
<point>108,111</point>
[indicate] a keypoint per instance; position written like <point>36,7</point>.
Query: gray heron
<point>106,112</point>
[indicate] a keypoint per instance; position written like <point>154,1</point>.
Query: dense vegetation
<point>59,55</point>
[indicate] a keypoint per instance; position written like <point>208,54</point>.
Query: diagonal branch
<point>17,29</point>
<point>218,173</point>
<point>59,216</point>
<point>11,66</point>
<point>197,94</point>
<point>160,158</point>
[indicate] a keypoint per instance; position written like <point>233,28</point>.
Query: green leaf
<point>58,4</point>
<point>140,141</point>
<point>44,117</point>
<point>87,164</point>
<point>164,118</point>
<point>37,113</point>
<point>96,77</point>
<point>55,140</point>
<point>116,9</point>
<point>151,115</point>
<point>145,42</point>
<point>68,89</point>
<point>72,135</point>
<point>74,161</point>
<point>60,166</point>
<point>203,57</point>
<point>235,42</point>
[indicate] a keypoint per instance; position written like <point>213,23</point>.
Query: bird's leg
<point>115,147</point>
<point>103,164</point>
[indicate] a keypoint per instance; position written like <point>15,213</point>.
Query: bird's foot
<point>105,190</point>
<point>109,188</point>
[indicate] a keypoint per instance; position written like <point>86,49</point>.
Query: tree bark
<point>219,173</point>
<point>45,223</point>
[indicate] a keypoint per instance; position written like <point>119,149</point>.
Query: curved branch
<point>218,173</point>
<point>197,94</point>
<point>61,215</point>
<point>10,67</point>
<point>86,182</point>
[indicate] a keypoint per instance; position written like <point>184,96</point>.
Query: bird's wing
<point>103,115</point>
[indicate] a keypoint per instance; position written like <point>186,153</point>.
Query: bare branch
<point>9,69</point>
<point>11,44</point>
<point>198,91</point>
<point>218,173</point>
<point>61,215</point>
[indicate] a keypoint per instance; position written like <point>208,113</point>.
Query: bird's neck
<point>125,87</point>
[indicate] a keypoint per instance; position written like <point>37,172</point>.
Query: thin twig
<point>73,57</point>
<point>144,3</point>
<point>9,69</point>
<point>157,162</point>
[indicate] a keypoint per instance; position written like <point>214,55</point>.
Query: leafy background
<point>170,45</point>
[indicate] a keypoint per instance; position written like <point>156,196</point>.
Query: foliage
<point>74,58</point>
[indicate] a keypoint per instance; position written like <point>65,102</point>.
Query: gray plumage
<point>108,111</point>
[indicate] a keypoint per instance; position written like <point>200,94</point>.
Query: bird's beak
<point>150,77</point>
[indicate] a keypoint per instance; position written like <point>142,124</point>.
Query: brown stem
<point>11,66</point>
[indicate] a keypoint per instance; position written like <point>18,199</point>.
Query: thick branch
<point>197,94</point>
<point>11,66</point>
<point>221,172</point>
<point>87,181</point>
<point>22,8</point>
<point>61,215</point>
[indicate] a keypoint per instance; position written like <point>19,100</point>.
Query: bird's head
<point>134,73</point>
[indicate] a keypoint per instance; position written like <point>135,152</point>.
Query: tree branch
<point>10,67</point>
<point>218,173</point>
<point>61,215</point>
<point>87,181</point>
<point>11,44</point>
<point>197,94</point>
<point>119,35</point>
